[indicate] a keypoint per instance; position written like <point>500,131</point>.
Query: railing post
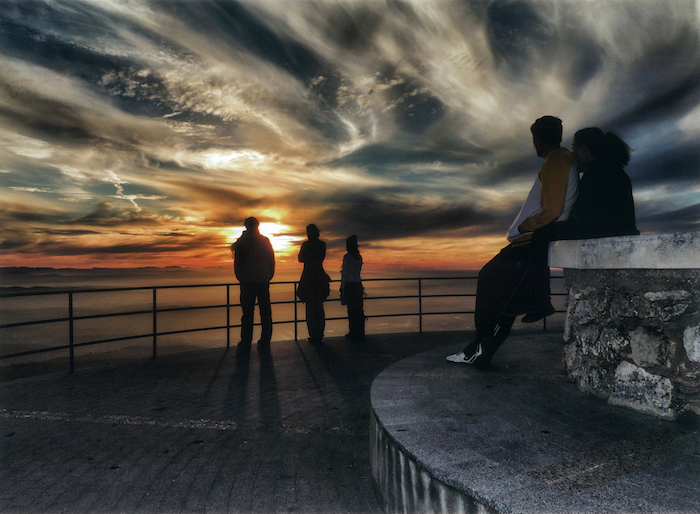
<point>544,320</point>
<point>296,317</point>
<point>420,305</point>
<point>155,324</point>
<point>71,341</point>
<point>228,316</point>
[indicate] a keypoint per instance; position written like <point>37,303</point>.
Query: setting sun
<point>278,233</point>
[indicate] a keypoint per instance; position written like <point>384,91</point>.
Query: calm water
<point>211,292</point>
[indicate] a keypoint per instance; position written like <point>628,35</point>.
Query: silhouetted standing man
<point>254,265</point>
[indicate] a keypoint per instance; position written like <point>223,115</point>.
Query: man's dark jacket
<point>254,259</point>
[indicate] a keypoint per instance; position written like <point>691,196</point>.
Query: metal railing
<point>155,310</point>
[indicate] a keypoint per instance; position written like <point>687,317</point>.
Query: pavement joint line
<point>209,424</point>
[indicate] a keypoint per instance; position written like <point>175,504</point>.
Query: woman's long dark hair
<point>608,147</point>
<point>352,248</point>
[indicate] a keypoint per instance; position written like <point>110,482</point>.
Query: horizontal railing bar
<point>184,331</point>
<point>113,340</point>
<point>398,297</point>
<point>455,295</point>
<point>111,315</point>
<point>463,277</point>
<point>34,352</point>
<point>119,289</point>
<point>194,308</point>
<point>220,306</point>
<point>222,284</point>
<point>448,312</point>
<point>36,322</point>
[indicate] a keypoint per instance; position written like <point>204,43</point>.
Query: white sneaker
<point>463,359</point>
<point>457,357</point>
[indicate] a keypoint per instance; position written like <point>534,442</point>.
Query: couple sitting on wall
<point>559,206</point>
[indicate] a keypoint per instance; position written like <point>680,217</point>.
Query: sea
<point>117,305</point>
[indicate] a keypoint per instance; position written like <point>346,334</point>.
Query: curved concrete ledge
<point>654,251</point>
<point>520,438</point>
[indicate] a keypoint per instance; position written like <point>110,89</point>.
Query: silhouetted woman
<point>351,289</point>
<point>314,284</point>
<point>604,206</point>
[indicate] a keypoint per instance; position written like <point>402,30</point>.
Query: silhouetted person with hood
<point>314,284</point>
<point>351,290</point>
<point>254,265</point>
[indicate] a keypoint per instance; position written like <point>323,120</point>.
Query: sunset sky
<point>142,133</point>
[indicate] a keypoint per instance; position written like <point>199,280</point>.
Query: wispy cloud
<point>139,128</point>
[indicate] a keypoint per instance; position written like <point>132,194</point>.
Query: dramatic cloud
<point>138,131</point>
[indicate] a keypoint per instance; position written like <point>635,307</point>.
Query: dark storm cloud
<point>227,205</point>
<point>66,232</point>
<point>231,23</point>
<point>415,108</point>
<point>43,117</point>
<point>107,215</point>
<point>686,219</point>
<point>16,211</point>
<point>517,31</point>
<point>353,27</point>
<point>14,239</point>
<point>169,245</point>
<point>388,119</point>
<point>12,244</point>
<point>677,164</point>
<point>672,97</point>
<point>378,217</point>
<point>55,36</point>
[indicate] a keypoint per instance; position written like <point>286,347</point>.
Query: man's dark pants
<point>249,293</point>
<point>514,282</point>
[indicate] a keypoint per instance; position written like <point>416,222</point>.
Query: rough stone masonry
<point>633,320</point>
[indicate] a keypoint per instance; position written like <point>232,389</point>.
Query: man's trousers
<point>249,293</point>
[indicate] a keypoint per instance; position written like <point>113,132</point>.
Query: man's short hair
<point>251,223</point>
<point>547,130</point>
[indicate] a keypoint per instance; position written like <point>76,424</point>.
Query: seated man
<point>510,284</point>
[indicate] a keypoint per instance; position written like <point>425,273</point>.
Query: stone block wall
<point>633,337</point>
<point>633,320</point>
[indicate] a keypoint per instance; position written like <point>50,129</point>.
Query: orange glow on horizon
<point>466,253</point>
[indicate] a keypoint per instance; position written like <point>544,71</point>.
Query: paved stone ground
<point>520,438</point>
<point>205,431</point>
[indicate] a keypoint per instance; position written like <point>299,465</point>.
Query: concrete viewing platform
<point>210,430</point>
<point>521,438</point>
